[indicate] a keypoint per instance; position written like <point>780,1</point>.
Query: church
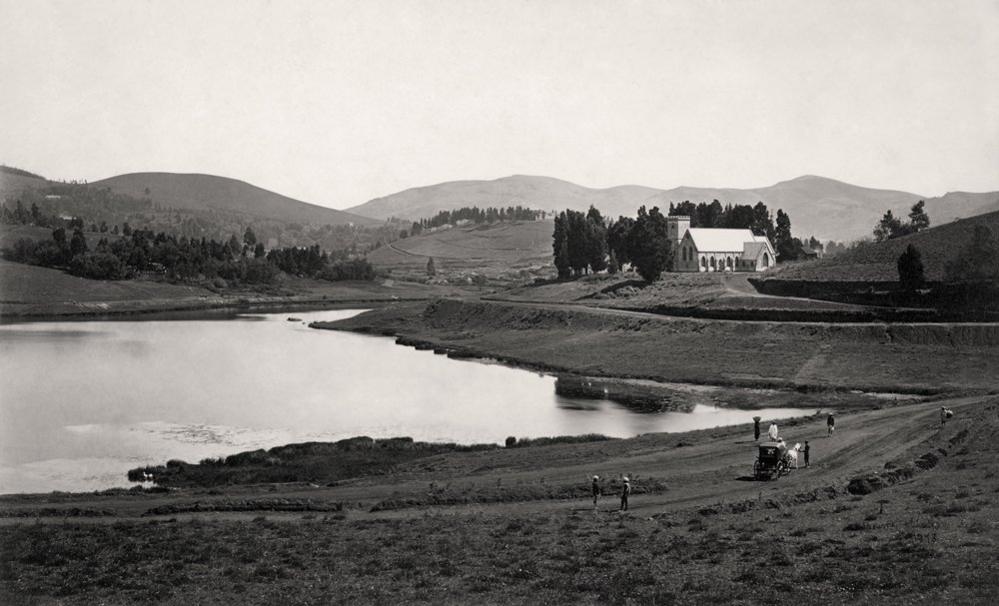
<point>712,249</point>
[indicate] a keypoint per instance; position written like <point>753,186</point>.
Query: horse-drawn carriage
<point>772,462</point>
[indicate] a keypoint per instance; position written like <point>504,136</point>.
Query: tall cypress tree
<point>560,246</point>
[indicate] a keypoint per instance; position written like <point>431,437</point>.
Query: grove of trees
<point>143,251</point>
<point>890,226</point>
<point>476,215</point>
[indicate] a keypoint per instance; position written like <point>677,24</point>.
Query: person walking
<point>756,428</point>
<point>596,490</point>
<point>805,450</point>
<point>943,415</point>
<point>625,491</point>
<point>830,424</point>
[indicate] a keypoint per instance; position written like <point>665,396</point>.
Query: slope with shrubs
<point>877,262</point>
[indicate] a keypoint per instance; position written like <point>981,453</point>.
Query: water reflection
<point>83,402</point>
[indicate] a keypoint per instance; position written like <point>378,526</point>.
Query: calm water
<point>83,402</point>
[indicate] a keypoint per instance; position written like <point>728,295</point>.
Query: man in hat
<point>756,428</point>
<point>806,450</point>
<point>596,490</point>
<point>625,491</point>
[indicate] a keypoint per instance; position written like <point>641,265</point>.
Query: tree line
<point>890,226</point>
<point>477,216</point>
<point>584,242</point>
<point>143,251</point>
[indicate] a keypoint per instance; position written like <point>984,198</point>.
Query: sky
<point>338,102</point>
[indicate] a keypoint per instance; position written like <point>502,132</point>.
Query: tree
<point>612,265</point>
<point>910,269</point>
<point>784,242</point>
<point>888,227</point>
<point>126,229</point>
<point>560,246</point>
<point>78,243</point>
<point>258,250</point>
<point>577,241</point>
<point>596,240</point>
<point>617,239</point>
<point>431,269</point>
<point>649,245</point>
<point>918,219</point>
<point>762,222</point>
<point>249,238</point>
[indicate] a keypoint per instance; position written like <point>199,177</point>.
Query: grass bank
<point>870,357</point>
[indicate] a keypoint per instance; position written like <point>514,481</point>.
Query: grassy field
<point>28,291</point>
<point>507,250</point>
<point>697,531</point>
<point>616,343</point>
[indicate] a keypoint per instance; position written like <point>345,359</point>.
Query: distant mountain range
<point>825,208</point>
<point>819,206</point>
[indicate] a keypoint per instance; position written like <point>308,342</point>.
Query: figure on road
<point>830,424</point>
<point>596,490</point>
<point>625,491</point>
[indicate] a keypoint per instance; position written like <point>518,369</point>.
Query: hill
<point>196,191</point>
<point>14,180</point>
<point>876,261</point>
<point>819,206</point>
<point>535,192</point>
<point>492,250</point>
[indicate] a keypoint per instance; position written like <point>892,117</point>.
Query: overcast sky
<point>339,102</point>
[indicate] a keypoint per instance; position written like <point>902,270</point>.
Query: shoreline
<point>169,311</point>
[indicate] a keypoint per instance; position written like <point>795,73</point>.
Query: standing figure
<point>625,491</point>
<point>943,415</point>
<point>596,490</point>
<point>756,428</point>
<point>830,424</point>
<point>806,449</point>
<point>772,432</point>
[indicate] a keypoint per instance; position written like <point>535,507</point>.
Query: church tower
<point>676,228</point>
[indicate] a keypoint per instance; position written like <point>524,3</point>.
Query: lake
<point>83,402</point>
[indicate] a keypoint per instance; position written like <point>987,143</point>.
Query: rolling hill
<point>196,191</point>
<point>491,249</point>
<point>819,206</point>
<point>14,180</point>
<point>877,261</point>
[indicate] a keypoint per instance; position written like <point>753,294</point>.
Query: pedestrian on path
<point>596,490</point>
<point>756,428</point>
<point>625,491</point>
<point>830,424</point>
<point>806,450</point>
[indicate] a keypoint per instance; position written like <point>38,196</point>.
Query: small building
<point>714,249</point>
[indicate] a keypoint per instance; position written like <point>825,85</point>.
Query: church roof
<point>709,239</point>
<point>752,250</point>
